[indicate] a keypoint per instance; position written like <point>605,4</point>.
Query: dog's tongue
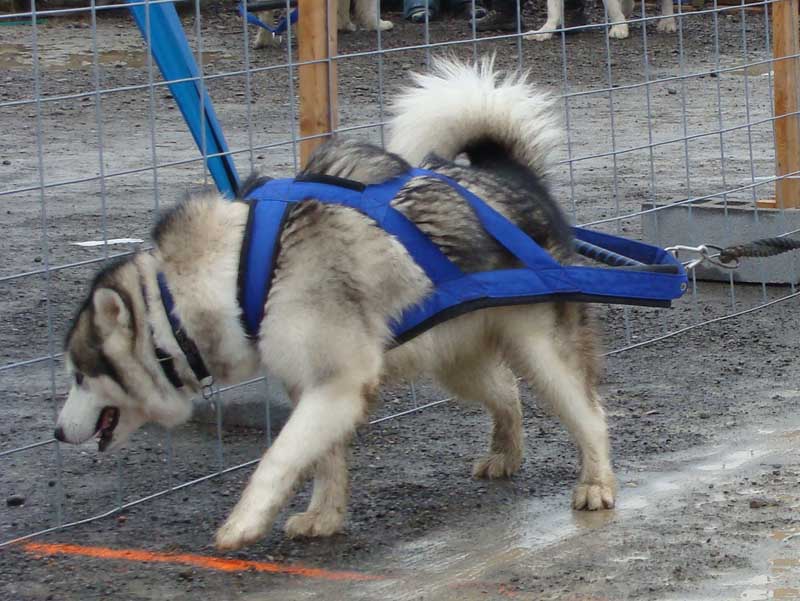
<point>107,418</point>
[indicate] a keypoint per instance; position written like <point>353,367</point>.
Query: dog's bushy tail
<point>459,107</point>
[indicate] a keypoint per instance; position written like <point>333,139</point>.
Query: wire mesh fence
<point>94,149</point>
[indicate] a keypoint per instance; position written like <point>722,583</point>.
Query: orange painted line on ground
<point>221,564</point>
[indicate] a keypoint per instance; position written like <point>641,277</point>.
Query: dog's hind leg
<point>369,17</point>
<point>326,511</point>
<point>554,19</point>
<point>668,24</point>
<point>494,385</point>
<point>552,362</point>
<point>343,22</point>
<point>325,417</point>
<point>619,29</point>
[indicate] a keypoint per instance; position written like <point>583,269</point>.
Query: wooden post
<point>785,43</point>
<point>316,41</point>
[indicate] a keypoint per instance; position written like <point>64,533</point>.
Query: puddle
<point>731,461</point>
<point>754,595</point>
<point>784,564</point>
<point>784,535</point>
<point>19,56</point>
<point>530,529</point>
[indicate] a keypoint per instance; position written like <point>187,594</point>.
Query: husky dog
<point>339,281</point>
<point>618,11</point>
<point>366,13</point>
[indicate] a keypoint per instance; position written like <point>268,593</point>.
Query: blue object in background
<point>277,29</point>
<point>174,58</point>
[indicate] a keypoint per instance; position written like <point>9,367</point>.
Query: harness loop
<point>704,252</point>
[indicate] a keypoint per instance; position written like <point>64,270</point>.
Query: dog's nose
<point>58,434</point>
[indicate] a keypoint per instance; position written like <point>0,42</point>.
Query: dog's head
<point>117,384</point>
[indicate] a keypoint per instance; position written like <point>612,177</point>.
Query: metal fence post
<point>786,53</point>
<point>316,41</point>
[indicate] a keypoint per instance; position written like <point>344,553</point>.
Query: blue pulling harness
<point>647,275</point>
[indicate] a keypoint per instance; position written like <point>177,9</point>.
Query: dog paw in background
<point>265,38</point>
<point>618,12</point>
<point>618,31</point>
<point>366,14</point>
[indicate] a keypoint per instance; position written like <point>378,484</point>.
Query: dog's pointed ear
<point>110,311</point>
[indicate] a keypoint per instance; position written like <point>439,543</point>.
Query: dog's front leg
<point>554,19</point>
<point>368,15</point>
<point>619,29</point>
<point>667,25</point>
<point>343,22</point>
<point>324,419</point>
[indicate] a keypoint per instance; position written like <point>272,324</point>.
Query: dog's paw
<point>347,26</point>
<point>381,25</point>
<point>240,529</point>
<point>497,465</point>
<point>591,496</point>
<point>667,25</point>
<point>310,524</point>
<point>541,35</point>
<point>619,31</point>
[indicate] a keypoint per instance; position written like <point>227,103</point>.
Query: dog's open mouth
<point>109,417</point>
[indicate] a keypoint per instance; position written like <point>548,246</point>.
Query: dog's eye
<point>78,378</point>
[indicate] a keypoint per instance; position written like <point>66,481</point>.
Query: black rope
<point>603,255</point>
<point>766,247</point>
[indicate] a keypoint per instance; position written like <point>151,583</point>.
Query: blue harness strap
<point>257,260</point>
<point>277,29</point>
<point>651,277</point>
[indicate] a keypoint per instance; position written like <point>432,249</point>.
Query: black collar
<point>186,344</point>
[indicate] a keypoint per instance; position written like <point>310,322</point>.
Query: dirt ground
<point>704,426</point>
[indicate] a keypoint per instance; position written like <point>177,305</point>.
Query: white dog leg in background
<point>368,15</point>
<point>325,417</point>
<point>554,19</point>
<point>265,38</point>
<point>667,25</point>
<point>559,384</point>
<point>627,8</point>
<point>343,22</point>
<point>326,511</point>
<point>619,31</point>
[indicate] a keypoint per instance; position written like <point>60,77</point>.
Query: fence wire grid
<point>94,149</point>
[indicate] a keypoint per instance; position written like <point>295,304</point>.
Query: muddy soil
<point>703,425</point>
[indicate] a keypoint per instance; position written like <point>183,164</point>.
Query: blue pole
<point>174,58</point>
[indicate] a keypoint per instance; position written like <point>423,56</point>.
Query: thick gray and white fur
<point>339,282</point>
<point>618,12</point>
